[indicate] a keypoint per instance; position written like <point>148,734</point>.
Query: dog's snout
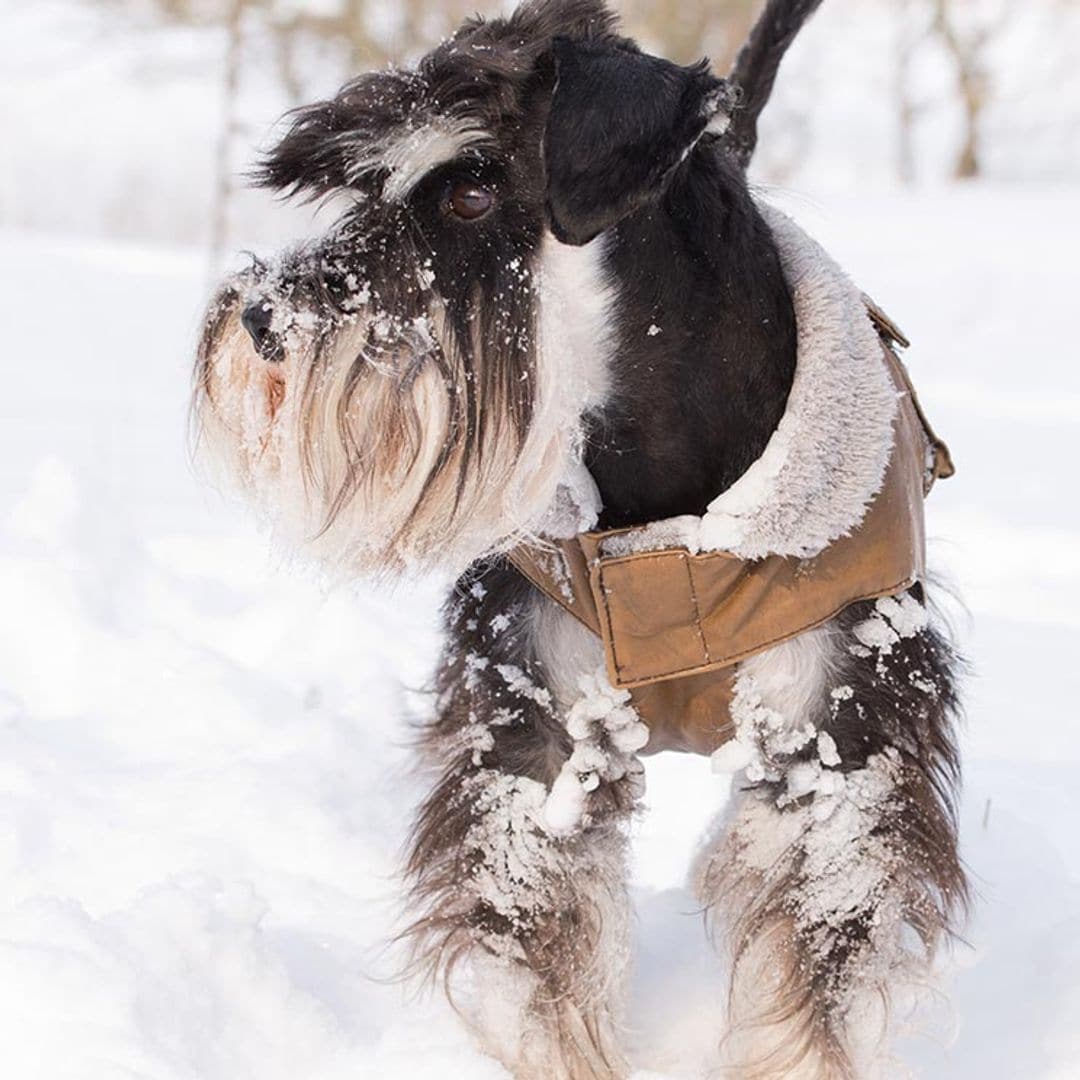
<point>257,319</point>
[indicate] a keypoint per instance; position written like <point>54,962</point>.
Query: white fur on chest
<point>573,372</point>
<point>574,319</point>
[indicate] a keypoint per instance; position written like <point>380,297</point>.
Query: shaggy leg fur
<point>843,841</point>
<point>525,919</point>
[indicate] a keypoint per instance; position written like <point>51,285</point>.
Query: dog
<point>552,315</point>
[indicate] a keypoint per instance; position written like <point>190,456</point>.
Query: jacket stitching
<point>698,625</point>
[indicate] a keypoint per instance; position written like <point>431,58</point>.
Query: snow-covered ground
<point>203,762</point>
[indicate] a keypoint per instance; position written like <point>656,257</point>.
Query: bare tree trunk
<point>219,229</point>
<point>972,79</point>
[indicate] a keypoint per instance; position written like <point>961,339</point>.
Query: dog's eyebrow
<point>411,152</point>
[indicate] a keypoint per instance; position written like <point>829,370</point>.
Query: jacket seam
<point>698,625</point>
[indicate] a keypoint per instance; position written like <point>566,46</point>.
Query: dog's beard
<point>378,447</point>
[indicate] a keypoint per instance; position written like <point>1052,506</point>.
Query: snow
<point>827,752</point>
<point>892,620</point>
<point>204,757</point>
<point>515,850</point>
<point>607,734</point>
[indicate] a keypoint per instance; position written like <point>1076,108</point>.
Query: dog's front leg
<point>517,858</point>
<point>835,872</point>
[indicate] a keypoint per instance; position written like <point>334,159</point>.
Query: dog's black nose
<point>256,320</point>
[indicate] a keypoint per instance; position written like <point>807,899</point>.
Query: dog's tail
<point>756,66</point>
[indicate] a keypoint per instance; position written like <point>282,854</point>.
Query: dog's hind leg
<point>835,872</point>
<point>517,855</point>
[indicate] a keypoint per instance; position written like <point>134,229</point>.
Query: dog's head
<point>412,387</point>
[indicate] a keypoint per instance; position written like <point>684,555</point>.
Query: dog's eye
<point>468,200</point>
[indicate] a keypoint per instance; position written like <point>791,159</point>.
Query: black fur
<point>757,64</point>
<point>695,403</point>
<point>620,123</point>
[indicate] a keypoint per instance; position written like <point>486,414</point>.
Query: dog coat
<point>830,514</point>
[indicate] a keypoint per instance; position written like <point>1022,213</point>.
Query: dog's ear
<point>620,123</point>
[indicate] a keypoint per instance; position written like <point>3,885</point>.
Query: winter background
<point>203,759</point>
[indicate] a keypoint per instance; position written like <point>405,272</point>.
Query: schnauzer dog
<point>552,314</point>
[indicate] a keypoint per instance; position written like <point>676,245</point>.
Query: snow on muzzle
<point>349,434</point>
<point>315,416</point>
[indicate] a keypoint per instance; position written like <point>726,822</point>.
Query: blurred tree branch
<point>966,42</point>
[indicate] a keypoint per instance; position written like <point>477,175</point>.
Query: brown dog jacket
<point>675,622</point>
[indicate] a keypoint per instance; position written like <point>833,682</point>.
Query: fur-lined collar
<point>826,460</point>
